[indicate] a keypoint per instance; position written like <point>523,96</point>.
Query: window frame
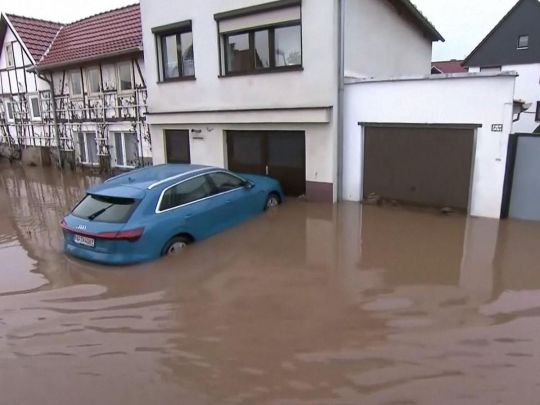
<point>30,98</point>
<point>519,47</point>
<point>85,137</point>
<point>7,104</point>
<point>176,29</point>
<point>10,52</point>
<point>223,41</point>
<point>119,79</point>
<point>70,83</point>
<point>88,86</point>
<point>537,115</point>
<point>124,153</point>
<point>158,211</point>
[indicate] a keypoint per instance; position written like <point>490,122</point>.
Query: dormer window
<point>523,42</point>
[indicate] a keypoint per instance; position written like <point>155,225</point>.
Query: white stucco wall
<point>527,89</point>
<point>443,99</point>
<point>316,85</point>
<point>381,43</point>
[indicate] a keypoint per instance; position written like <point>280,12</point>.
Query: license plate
<point>84,240</point>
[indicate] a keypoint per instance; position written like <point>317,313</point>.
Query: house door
<point>177,146</point>
<point>278,154</point>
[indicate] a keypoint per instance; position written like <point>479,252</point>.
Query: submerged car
<point>158,210</point>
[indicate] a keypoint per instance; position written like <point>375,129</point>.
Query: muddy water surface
<point>311,304</point>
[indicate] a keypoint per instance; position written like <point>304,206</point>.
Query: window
<point>126,149</point>
<point>125,76</point>
<point>491,69</point>
<point>105,209</point>
<point>88,148</point>
<point>177,59</point>
<point>258,50</point>
<point>75,83</point>
<point>225,182</point>
<point>184,193</point>
<point>10,56</point>
<point>9,111</point>
<point>537,116</point>
<point>93,80</point>
<point>523,42</point>
<point>34,107</point>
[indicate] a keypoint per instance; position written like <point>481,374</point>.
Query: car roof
<point>148,177</point>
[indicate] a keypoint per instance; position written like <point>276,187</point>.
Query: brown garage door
<point>425,166</point>
<point>279,154</point>
<point>177,146</point>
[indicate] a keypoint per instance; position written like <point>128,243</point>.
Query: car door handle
<point>188,215</point>
<point>228,201</point>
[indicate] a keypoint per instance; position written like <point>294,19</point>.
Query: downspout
<point>55,121</point>
<point>341,92</point>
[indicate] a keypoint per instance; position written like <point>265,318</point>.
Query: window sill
<point>265,71</point>
<point>177,79</point>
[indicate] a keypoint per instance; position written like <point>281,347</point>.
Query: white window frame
<point>124,153</point>
<point>88,70</point>
<point>8,118</point>
<point>119,81</point>
<point>523,47</point>
<point>70,83</point>
<point>10,55</point>
<point>85,138</point>
<point>34,117</point>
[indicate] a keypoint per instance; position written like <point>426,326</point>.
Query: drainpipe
<point>55,122</point>
<point>341,91</point>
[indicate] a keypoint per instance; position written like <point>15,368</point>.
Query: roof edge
<point>422,20</point>
<point>490,33</point>
<point>73,62</point>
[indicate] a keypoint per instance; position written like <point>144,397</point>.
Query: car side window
<point>225,182</point>
<point>185,192</point>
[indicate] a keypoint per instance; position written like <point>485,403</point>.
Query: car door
<point>188,207</point>
<point>234,199</point>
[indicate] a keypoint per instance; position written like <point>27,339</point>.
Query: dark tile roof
<point>449,66</point>
<point>36,34</point>
<point>100,35</point>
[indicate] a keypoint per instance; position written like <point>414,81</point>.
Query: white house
<point>75,90</point>
<point>256,86</point>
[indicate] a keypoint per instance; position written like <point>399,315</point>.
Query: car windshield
<point>104,208</point>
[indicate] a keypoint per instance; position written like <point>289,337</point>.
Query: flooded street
<point>310,304</point>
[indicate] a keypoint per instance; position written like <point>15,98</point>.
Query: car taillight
<point>63,225</point>
<point>131,235</point>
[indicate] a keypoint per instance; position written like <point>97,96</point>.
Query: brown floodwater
<point>309,304</point>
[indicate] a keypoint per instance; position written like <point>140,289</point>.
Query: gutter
<point>340,98</point>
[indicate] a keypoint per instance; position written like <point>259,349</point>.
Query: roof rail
<point>176,176</point>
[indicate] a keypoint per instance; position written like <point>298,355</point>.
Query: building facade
<point>514,45</point>
<point>86,102</point>
<point>254,86</point>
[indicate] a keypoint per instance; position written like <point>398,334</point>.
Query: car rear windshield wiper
<point>96,214</point>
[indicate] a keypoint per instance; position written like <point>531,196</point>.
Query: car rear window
<point>105,209</point>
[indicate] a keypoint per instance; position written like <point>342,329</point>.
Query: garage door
<point>279,154</point>
<point>177,146</point>
<point>424,166</point>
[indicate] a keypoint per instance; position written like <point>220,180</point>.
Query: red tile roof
<point>449,66</point>
<point>36,34</point>
<point>100,35</point>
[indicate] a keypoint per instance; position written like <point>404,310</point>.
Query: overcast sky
<point>463,23</point>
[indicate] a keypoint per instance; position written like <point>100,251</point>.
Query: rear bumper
<point>105,258</point>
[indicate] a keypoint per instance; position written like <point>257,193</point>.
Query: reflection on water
<point>309,304</point>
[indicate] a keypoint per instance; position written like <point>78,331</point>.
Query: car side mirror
<point>248,185</point>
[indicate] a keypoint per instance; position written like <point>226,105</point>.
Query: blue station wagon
<point>158,210</point>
